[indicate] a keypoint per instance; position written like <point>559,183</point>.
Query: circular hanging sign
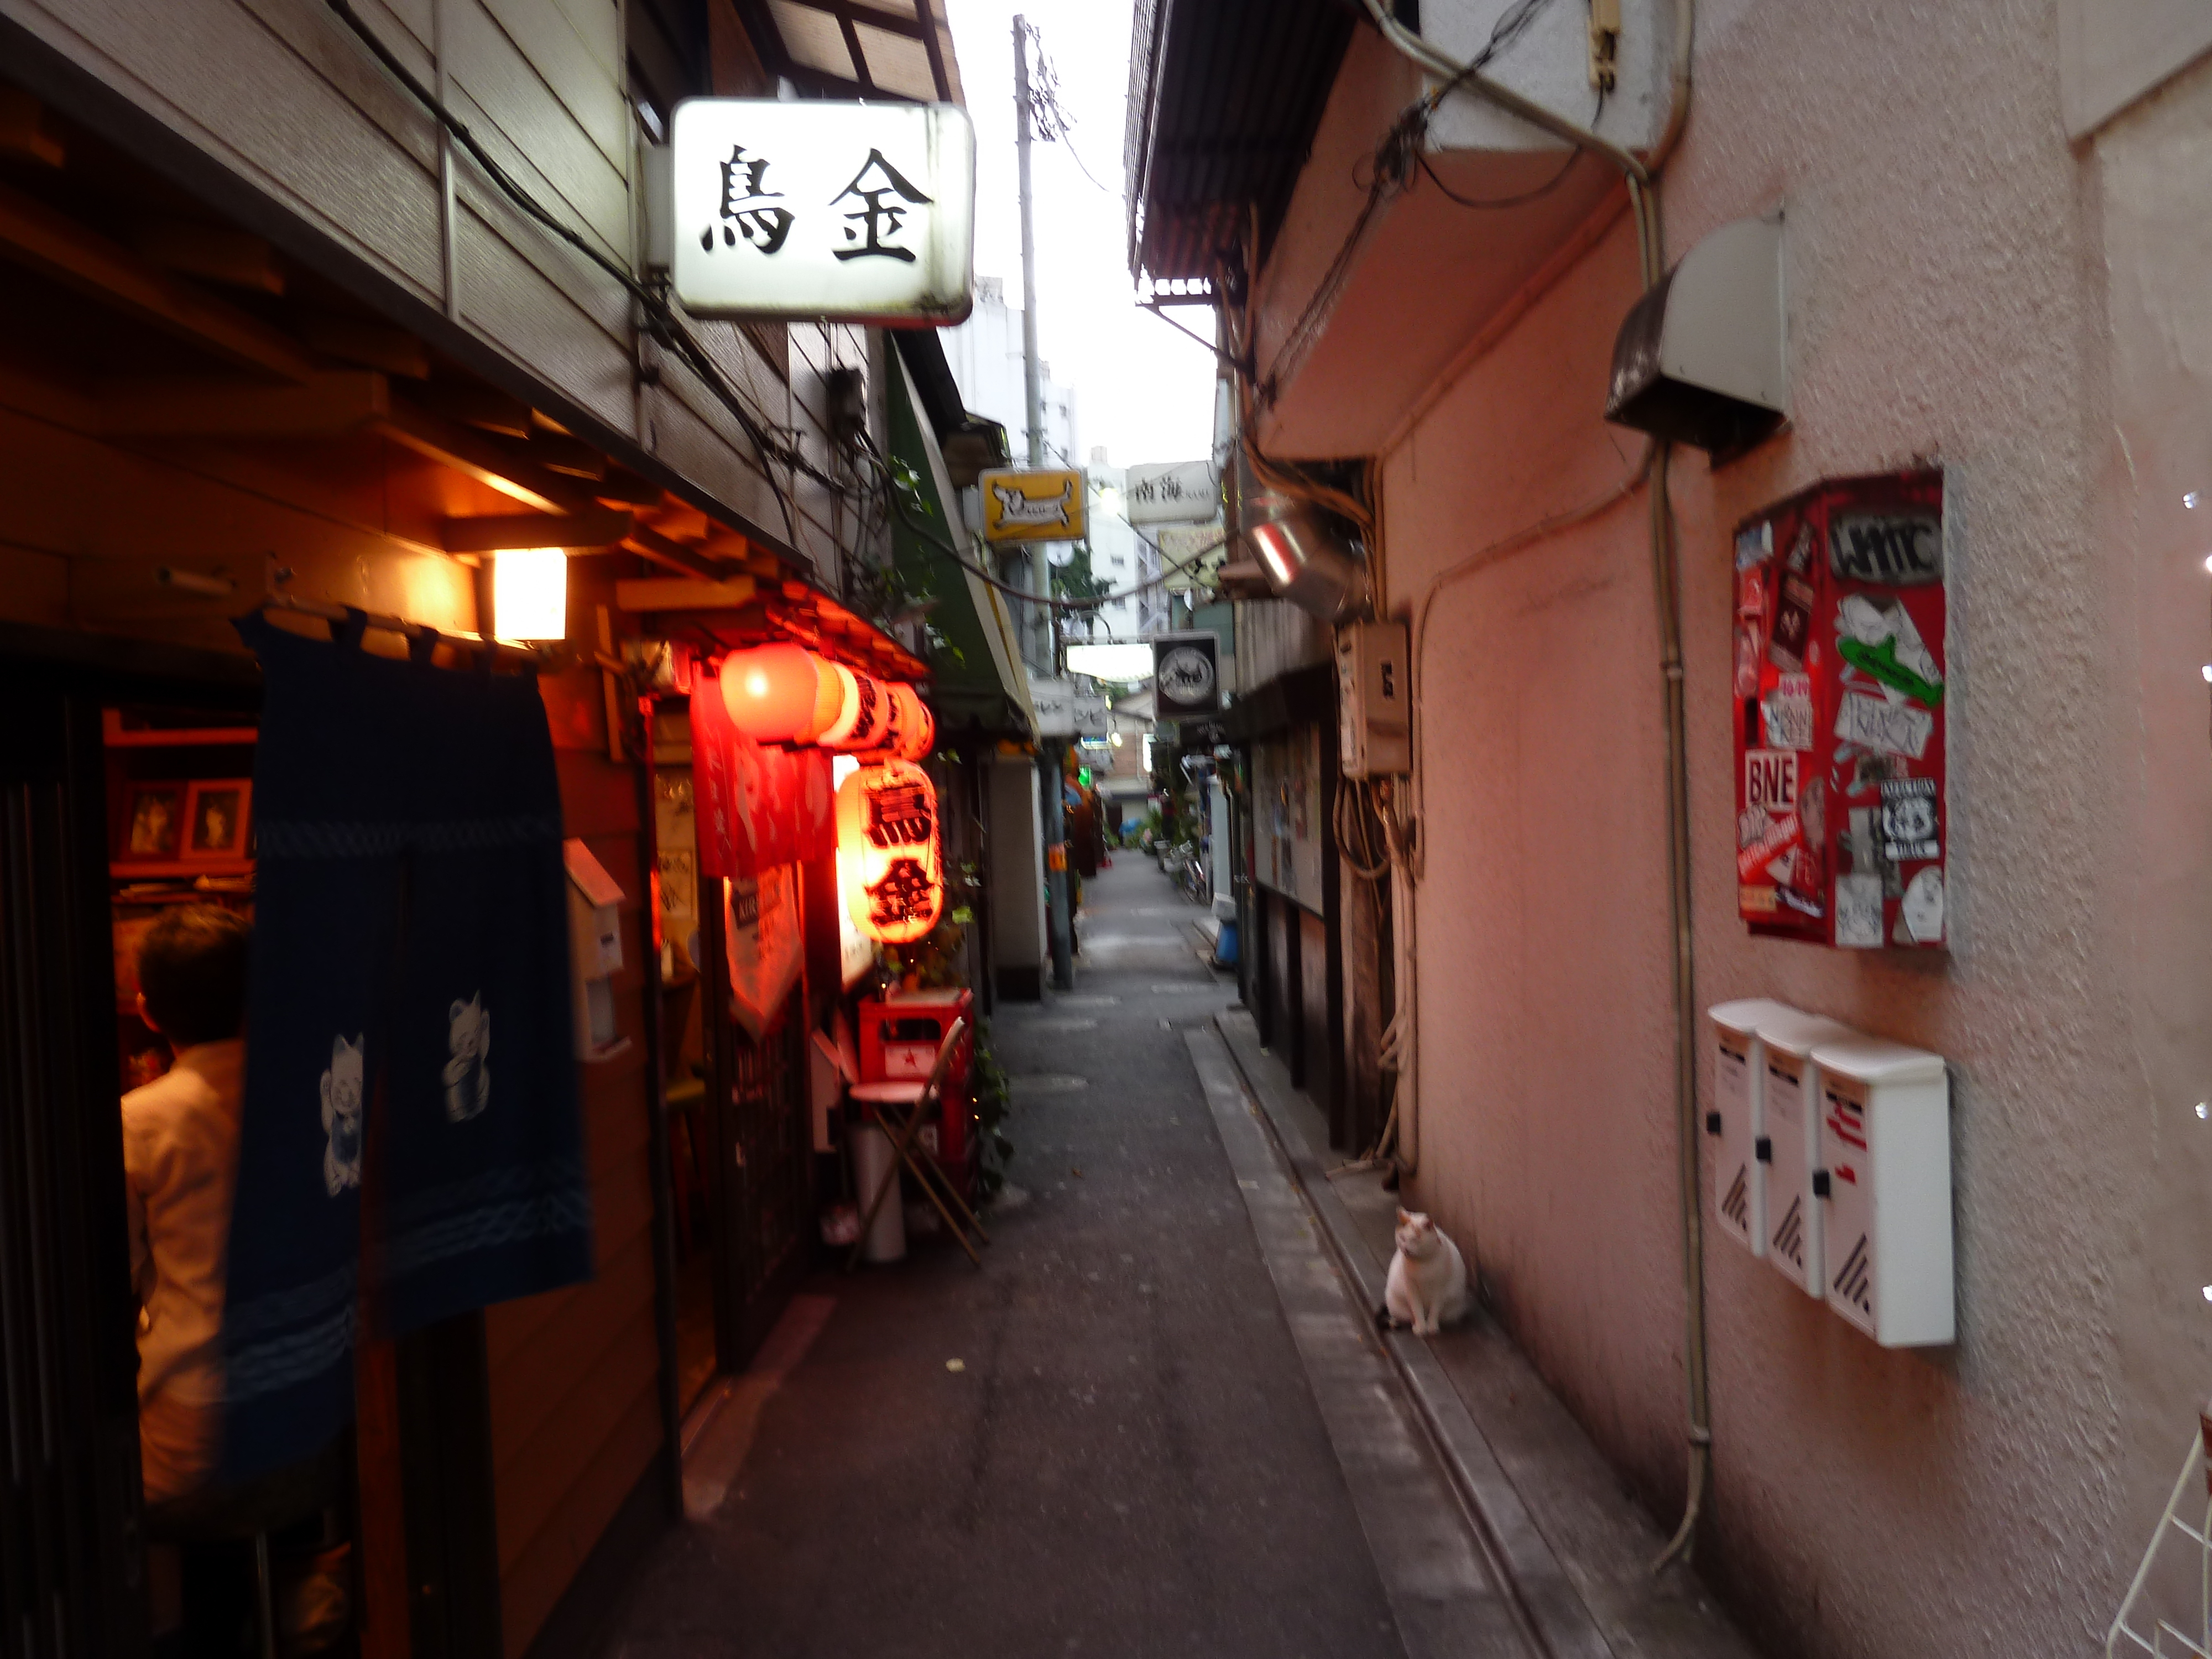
<point>1186,674</point>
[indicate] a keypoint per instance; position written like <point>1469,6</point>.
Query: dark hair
<point>192,969</point>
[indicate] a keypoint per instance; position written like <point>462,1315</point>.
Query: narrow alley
<point>1154,1422</point>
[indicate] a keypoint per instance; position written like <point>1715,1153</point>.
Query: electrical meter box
<point>1736,1123</point>
<point>1840,714</point>
<point>1374,702</point>
<point>1884,1129</point>
<point>595,951</point>
<point>1788,1150</point>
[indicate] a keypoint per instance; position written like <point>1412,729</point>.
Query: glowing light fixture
<point>889,851</point>
<point>780,693</point>
<point>529,594</point>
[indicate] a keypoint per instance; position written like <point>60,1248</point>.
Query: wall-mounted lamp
<point>1307,558</point>
<point>529,594</point>
<point>1699,359</point>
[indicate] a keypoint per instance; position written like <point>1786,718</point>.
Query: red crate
<point>900,1035</point>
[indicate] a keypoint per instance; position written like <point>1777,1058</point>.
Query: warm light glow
<point>779,693</point>
<point>1114,738</point>
<point>529,594</point>
<point>889,851</point>
<point>914,728</point>
<point>864,714</point>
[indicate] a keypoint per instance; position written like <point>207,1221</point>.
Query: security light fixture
<point>1306,556</point>
<point>1699,359</point>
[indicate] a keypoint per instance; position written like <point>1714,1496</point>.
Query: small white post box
<point>1737,1120</point>
<point>1788,1148</point>
<point>1886,1180</point>
<point>595,952</point>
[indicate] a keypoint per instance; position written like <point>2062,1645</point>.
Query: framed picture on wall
<point>215,819</point>
<point>153,823</point>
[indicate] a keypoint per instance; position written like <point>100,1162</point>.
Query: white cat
<point>1427,1286</point>
<point>342,1102</point>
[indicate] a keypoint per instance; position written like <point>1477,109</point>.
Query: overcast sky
<point>1142,390</point>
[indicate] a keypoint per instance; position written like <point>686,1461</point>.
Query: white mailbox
<point>1737,1120</point>
<point>595,952</point>
<point>1885,1180</point>
<point>1789,1148</point>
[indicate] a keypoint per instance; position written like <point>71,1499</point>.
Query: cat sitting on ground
<point>1427,1286</point>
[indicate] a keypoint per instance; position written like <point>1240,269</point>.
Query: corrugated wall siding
<point>281,93</point>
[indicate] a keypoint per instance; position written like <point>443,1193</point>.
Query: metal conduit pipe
<point>1644,201</point>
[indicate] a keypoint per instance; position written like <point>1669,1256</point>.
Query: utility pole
<point>1058,916</point>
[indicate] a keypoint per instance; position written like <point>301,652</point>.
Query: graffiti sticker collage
<point>1839,690</point>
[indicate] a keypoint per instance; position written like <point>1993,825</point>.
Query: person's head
<point>191,975</point>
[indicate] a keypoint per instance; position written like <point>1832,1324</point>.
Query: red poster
<point>757,807</point>
<point>715,787</point>
<point>1839,673</point>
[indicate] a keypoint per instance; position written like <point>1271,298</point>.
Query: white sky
<point>1142,390</point>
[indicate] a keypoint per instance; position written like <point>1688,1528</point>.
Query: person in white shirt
<point>180,1163</point>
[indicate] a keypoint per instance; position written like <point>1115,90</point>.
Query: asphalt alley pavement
<point>1104,1443</point>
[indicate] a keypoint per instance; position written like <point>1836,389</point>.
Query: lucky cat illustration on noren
<point>1427,1286</point>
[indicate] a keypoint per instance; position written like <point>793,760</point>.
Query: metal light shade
<point>1306,558</point>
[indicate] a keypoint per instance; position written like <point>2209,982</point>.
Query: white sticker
<point>1786,713</point>
<point>1886,728</point>
<point>1923,908</point>
<point>1858,912</point>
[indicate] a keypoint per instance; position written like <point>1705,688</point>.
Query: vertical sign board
<point>1838,711</point>
<point>814,208</point>
<point>1186,675</point>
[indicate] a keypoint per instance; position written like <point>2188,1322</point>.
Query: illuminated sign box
<point>864,212</point>
<point>1024,506</point>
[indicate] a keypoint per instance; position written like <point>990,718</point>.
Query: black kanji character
<point>902,894</point>
<point>745,210</point>
<point>881,219</point>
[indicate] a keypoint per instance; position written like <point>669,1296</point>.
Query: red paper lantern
<point>913,728</point>
<point>779,693</point>
<point>889,851</point>
<point>864,717</point>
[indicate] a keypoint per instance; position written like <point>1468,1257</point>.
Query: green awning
<point>980,680</point>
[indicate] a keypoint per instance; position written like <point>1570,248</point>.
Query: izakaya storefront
<point>527,1155</point>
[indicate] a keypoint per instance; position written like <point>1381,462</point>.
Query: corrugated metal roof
<point>1223,99</point>
<point>858,48</point>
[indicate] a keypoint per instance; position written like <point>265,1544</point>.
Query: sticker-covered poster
<point>1839,675</point>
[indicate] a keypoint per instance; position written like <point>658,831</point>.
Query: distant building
<point>985,354</point>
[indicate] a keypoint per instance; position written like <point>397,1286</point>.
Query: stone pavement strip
<point>1130,1457</point>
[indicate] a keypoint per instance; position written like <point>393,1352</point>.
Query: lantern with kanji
<point>863,717</point>
<point>889,851</point>
<point>913,728</point>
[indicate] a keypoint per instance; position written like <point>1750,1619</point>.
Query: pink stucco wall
<point>1965,286</point>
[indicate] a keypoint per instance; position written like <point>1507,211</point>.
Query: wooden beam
<point>25,131</point>
<point>624,488</point>
<point>325,406</point>
<point>480,406</point>
<point>468,451</point>
<point>373,345</point>
<point>674,593</point>
<point>35,235</point>
<point>648,543</point>
<point>213,251</point>
<point>571,457</point>
<point>597,527</point>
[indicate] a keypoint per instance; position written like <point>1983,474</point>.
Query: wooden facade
<point>291,343</point>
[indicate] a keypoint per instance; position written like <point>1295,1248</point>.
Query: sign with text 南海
<point>817,209</point>
<point>1038,506</point>
<point>1177,492</point>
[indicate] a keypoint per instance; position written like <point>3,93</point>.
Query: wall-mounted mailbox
<point>595,951</point>
<point>1885,1139</point>
<point>1790,1089</point>
<point>1736,1127</point>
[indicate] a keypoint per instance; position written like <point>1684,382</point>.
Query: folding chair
<point>900,1107</point>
